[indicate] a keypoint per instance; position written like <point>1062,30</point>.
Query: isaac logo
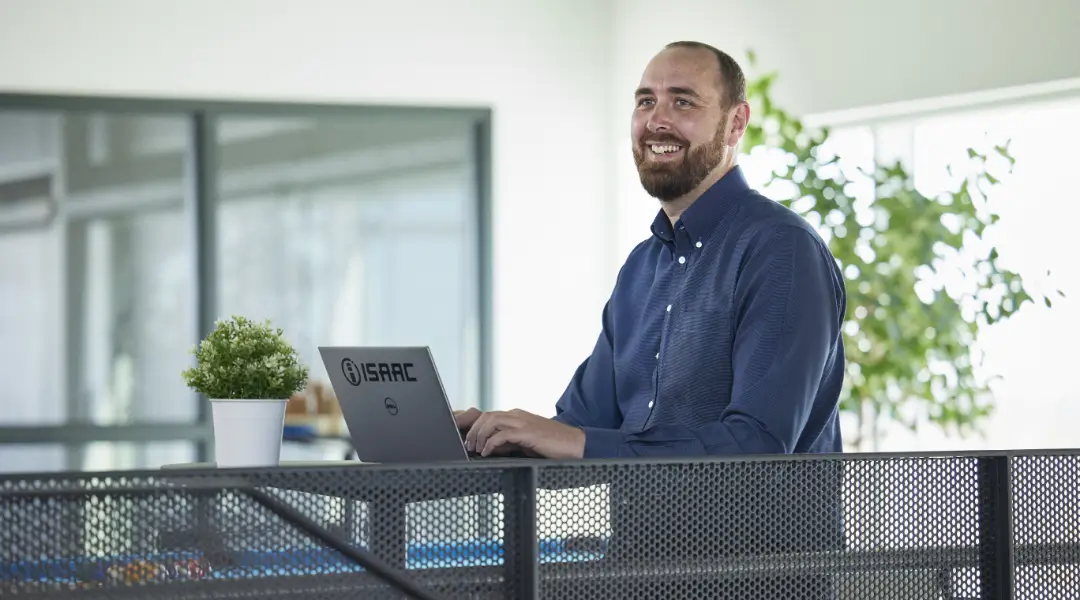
<point>376,372</point>
<point>391,406</point>
<point>351,371</point>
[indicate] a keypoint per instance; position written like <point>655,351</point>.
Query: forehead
<point>691,68</point>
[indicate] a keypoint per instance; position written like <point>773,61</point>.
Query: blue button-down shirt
<point>722,336</point>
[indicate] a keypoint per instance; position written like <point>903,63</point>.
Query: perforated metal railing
<point>1004,525</point>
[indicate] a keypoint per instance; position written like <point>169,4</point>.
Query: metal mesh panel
<point>1046,522</point>
<point>230,534</point>
<point>897,528</point>
<point>846,527</point>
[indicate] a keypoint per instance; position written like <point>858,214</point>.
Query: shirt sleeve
<point>589,399</point>
<point>789,305</point>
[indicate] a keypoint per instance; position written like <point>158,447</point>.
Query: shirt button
<point>669,308</point>
<point>657,356</point>
<point>697,245</point>
<point>682,260</point>
<point>650,403</point>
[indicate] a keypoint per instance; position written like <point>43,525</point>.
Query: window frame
<point>201,203</point>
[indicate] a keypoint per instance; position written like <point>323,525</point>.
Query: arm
<point>787,320</point>
<point>589,399</point>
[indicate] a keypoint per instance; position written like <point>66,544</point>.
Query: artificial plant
<point>245,359</point>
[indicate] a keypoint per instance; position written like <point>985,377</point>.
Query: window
<point>31,247</point>
<point>342,226</point>
<point>354,233</point>
<point>1036,400</point>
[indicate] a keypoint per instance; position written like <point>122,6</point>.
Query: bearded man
<point>722,335</point>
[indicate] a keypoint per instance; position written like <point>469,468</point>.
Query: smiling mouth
<point>663,151</point>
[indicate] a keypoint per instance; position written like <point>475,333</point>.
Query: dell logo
<point>376,372</point>
<point>391,406</point>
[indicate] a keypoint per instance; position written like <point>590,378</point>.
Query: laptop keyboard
<point>512,456</point>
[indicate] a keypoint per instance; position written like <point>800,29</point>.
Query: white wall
<point>835,55</point>
<point>838,54</point>
<point>559,75</point>
<point>540,64</point>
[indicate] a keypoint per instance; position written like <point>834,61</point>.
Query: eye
<point>642,102</point>
<point>683,103</point>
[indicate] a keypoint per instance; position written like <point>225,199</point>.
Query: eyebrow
<point>678,91</point>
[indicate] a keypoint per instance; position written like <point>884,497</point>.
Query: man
<point>723,333</point>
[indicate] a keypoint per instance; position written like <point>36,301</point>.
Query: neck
<point>674,208</point>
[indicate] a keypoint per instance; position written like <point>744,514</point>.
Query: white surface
<point>841,54</point>
<point>543,66</point>
<point>247,433</point>
<point>284,463</point>
<point>559,75</point>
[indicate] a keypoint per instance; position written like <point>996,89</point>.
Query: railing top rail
<point>550,464</point>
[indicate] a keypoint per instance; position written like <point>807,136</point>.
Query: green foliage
<point>242,359</point>
<point>907,336</point>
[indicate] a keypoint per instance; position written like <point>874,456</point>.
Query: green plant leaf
<point>242,359</point>
<point>911,352</point>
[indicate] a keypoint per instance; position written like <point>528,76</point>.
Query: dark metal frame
<point>202,164</point>
<point>997,562</point>
<point>358,555</point>
<point>203,211</point>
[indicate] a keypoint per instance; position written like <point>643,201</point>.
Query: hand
<point>466,418</point>
<point>491,433</point>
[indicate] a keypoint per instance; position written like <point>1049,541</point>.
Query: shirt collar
<point>704,214</point>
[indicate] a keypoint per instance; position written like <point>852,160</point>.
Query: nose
<point>659,120</point>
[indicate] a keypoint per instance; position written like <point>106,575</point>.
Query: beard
<point>667,181</point>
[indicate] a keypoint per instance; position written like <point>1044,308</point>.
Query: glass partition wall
<point>128,227</point>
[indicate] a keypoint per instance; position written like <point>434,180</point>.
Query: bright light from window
<point>1037,399</point>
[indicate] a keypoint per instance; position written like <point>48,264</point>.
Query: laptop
<point>394,404</point>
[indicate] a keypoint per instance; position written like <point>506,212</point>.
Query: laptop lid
<point>394,404</point>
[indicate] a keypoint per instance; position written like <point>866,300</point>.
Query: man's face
<point>681,129</point>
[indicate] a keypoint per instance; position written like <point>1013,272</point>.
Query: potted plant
<point>248,371</point>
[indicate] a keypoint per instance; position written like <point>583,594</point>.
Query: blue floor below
<point>288,562</point>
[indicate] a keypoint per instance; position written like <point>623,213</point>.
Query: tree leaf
<point>902,335</point>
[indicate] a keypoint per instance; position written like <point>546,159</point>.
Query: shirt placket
<point>682,256</point>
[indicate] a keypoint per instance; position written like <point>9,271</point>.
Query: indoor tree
<point>908,334</point>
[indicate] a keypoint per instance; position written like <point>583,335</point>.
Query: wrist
<point>579,443</point>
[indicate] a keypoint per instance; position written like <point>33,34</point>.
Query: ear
<point>740,120</point>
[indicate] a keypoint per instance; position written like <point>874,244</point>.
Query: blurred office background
<point>451,174</point>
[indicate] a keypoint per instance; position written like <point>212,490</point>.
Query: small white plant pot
<point>247,433</point>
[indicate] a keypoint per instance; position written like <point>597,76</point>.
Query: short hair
<point>731,74</point>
